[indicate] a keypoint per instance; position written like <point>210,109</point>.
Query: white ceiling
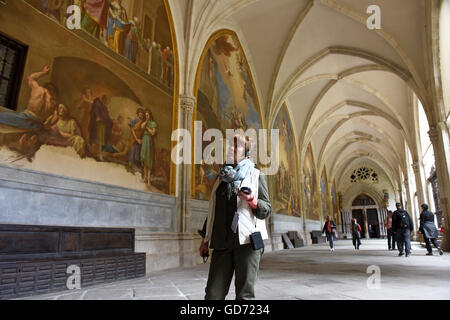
<point>348,88</point>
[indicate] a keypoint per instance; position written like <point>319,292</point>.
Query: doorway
<point>373,223</point>
<point>359,216</point>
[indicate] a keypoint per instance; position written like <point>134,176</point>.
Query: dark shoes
<point>400,254</point>
<point>429,254</point>
<point>440,251</point>
<point>408,254</point>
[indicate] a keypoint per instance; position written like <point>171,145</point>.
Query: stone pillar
<point>186,110</point>
<point>420,182</point>
<point>366,223</point>
<point>439,136</point>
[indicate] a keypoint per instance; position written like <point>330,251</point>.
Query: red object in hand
<point>204,250</point>
<point>250,198</point>
<point>442,230</point>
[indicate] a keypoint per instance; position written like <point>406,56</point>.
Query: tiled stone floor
<point>306,273</point>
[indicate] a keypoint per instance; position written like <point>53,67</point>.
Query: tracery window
<point>364,174</point>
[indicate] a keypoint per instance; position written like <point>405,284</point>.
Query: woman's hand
<point>250,198</point>
<point>204,249</point>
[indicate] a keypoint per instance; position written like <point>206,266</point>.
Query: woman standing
<point>356,234</point>
<point>329,229</point>
<point>428,229</point>
<point>238,208</point>
<point>148,145</point>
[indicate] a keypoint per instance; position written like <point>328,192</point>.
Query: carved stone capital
<point>187,104</point>
<point>434,134</point>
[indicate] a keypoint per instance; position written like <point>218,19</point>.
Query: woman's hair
<point>149,112</point>
<point>424,206</point>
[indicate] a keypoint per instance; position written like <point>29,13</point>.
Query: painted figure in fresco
<point>41,105</point>
<point>238,120</point>
<point>85,107</point>
<point>133,149</point>
<point>95,17</point>
<point>156,62</point>
<point>148,146</point>
<point>63,131</point>
<point>100,126</point>
<point>118,26</point>
<point>132,41</point>
<point>166,67</point>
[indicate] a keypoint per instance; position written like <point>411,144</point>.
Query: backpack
<point>404,220</point>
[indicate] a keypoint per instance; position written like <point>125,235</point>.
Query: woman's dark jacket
<point>222,236</point>
<point>325,227</point>
<point>427,226</point>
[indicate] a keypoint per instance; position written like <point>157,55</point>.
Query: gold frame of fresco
<point>175,108</point>
<point>207,46</point>
<point>317,182</point>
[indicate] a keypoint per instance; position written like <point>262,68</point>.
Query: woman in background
<point>429,230</point>
<point>356,234</point>
<point>329,229</point>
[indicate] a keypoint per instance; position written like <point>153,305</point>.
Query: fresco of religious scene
<point>284,185</point>
<point>226,99</point>
<point>310,196</point>
<point>90,126</point>
<point>326,210</point>
<point>138,30</point>
<point>334,198</point>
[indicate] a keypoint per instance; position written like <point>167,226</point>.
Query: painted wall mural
<point>226,99</point>
<point>284,185</point>
<point>78,118</point>
<point>138,30</point>
<point>310,195</point>
<point>326,210</point>
<point>334,198</point>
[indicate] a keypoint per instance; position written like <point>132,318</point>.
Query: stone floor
<point>307,273</point>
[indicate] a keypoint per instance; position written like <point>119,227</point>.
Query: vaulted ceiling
<point>350,90</point>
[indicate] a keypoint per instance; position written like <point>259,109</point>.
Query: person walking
<point>235,225</point>
<point>429,230</point>
<point>356,234</point>
<point>329,229</point>
<point>390,233</point>
<point>402,227</point>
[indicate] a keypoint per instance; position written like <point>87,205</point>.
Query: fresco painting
<point>334,198</point>
<point>226,99</point>
<point>89,125</point>
<point>326,210</point>
<point>137,30</point>
<point>284,185</point>
<point>310,195</point>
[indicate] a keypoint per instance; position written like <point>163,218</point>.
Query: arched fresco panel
<point>326,209</point>
<point>310,195</point>
<point>226,99</point>
<point>284,185</point>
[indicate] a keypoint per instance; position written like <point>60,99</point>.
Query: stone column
<point>366,223</point>
<point>420,181</point>
<point>439,136</point>
<point>186,110</point>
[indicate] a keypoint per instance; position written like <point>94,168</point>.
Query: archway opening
<point>366,212</point>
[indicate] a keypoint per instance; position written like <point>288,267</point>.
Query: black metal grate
<point>12,61</point>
